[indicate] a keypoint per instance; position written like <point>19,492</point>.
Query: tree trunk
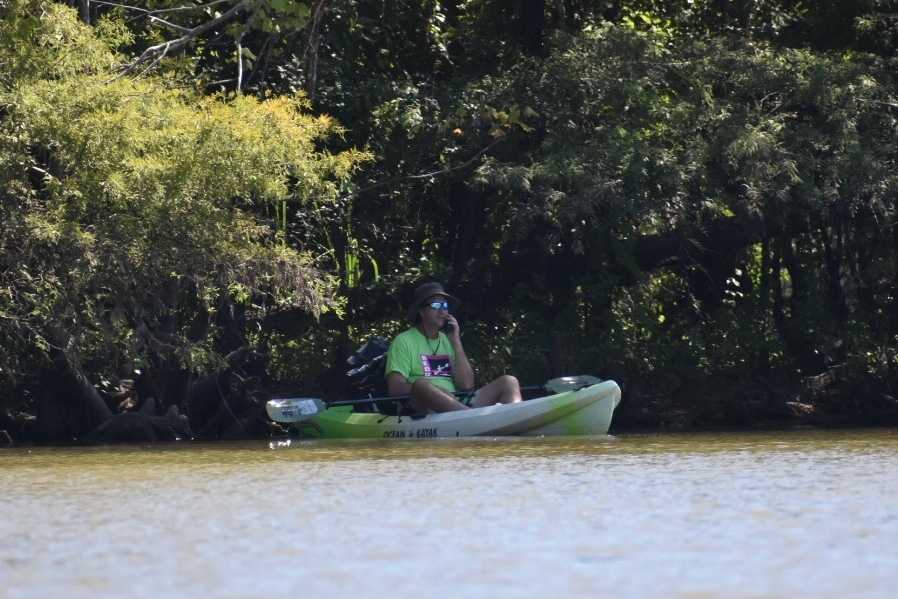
<point>799,341</point>
<point>84,10</point>
<point>725,236</point>
<point>532,21</point>
<point>776,279</point>
<point>68,406</point>
<point>764,299</point>
<point>832,253</point>
<point>559,18</point>
<point>893,302</point>
<point>467,215</point>
<point>310,54</point>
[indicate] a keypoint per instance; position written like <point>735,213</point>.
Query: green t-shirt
<point>414,356</point>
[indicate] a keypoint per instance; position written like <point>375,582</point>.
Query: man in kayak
<point>429,363</point>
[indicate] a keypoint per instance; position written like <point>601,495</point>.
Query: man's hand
<point>454,332</point>
<point>462,374</point>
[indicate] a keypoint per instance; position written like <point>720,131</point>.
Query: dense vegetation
<point>205,202</point>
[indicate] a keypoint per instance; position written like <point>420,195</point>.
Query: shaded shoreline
<point>822,402</point>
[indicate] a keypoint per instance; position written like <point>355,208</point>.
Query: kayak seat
<point>397,408</point>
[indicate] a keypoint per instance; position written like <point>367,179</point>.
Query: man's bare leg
<point>504,389</point>
<point>426,396</point>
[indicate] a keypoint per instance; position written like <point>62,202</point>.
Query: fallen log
<point>142,427</point>
<point>222,405</point>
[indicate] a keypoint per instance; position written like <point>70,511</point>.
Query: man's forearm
<point>464,374</point>
<point>397,385</point>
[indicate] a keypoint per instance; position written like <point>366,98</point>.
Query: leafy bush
<point>131,205</point>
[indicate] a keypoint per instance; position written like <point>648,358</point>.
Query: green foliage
<point>132,205</point>
<point>38,40</point>
<point>567,170</point>
<point>622,133</point>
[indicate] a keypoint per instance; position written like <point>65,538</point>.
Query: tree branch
<point>170,25</point>
<point>444,171</point>
<point>156,61</point>
<point>154,54</point>
<point>147,12</point>
<point>239,63</point>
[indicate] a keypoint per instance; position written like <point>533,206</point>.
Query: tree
<point>133,206</point>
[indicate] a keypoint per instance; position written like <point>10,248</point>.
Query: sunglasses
<point>442,305</point>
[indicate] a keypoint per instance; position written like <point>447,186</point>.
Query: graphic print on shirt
<point>436,365</point>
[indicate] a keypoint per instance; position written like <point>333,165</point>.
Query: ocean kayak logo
<point>436,365</point>
<point>421,433</point>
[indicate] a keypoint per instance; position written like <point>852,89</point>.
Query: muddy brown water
<point>785,515</point>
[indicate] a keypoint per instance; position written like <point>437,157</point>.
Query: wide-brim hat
<point>424,292</point>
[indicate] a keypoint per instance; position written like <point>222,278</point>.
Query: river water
<point>786,515</point>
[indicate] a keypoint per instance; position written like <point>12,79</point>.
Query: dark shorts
<point>467,398</point>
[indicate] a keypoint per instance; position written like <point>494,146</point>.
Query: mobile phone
<point>447,327</point>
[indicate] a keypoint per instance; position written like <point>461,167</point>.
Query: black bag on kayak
<point>365,378</point>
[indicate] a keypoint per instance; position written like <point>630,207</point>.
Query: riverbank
<point>826,401</point>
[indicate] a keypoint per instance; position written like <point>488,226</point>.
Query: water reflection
<point>797,514</point>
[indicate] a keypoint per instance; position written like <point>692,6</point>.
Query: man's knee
<point>425,390</point>
<point>427,396</point>
<point>421,386</point>
<point>422,394</point>
<point>509,382</point>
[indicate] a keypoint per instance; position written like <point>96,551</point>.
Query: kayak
<point>585,411</point>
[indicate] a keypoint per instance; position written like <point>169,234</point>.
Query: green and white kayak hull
<point>587,411</point>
